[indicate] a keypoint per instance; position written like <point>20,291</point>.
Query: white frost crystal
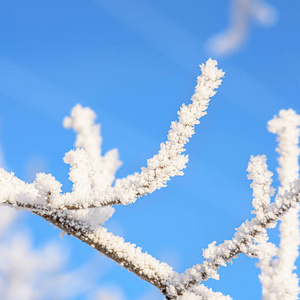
<point>278,278</point>
<point>82,212</point>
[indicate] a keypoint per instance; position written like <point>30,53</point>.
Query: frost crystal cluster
<point>82,212</point>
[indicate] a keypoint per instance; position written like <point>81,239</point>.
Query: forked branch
<point>82,212</point>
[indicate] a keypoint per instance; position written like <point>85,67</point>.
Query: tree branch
<point>169,161</point>
<point>126,254</point>
<point>242,242</point>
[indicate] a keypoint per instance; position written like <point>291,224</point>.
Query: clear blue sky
<point>135,62</point>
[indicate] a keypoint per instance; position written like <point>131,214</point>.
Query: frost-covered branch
<point>82,212</point>
<point>169,161</point>
<point>281,282</point>
<point>124,253</point>
<point>114,247</point>
<point>88,137</point>
<point>286,126</point>
<point>262,193</point>
<point>261,183</point>
<point>89,170</point>
<point>202,293</point>
<point>246,240</point>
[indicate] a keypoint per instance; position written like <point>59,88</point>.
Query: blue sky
<point>135,62</point>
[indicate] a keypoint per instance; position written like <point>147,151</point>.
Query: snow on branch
<point>82,212</point>
<point>131,257</point>
<point>246,240</point>
<point>286,126</point>
<point>261,185</point>
<point>281,282</point>
<point>169,161</point>
<point>262,193</point>
<point>87,168</point>
<point>124,253</point>
<point>202,292</point>
<point>89,138</point>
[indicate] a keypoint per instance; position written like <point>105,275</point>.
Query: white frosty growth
<point>86,165</point>
<point>89,170</point>
<point>262,192</point>
<point>83,211</point>
<point>279,281</point>
<point>88,137</point>
<point>201,292</point>
<point>146,264</point>
<point>247,240</point>
<point>170,161</point>
<point>92,176</point>
<point>286,126</point>
<point>261,183</point>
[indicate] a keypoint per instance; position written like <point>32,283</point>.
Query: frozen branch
<point>82,212</point>
<point>89,138</point>
<point>202,293</point>
<point>283,282</point>
<point>261,183</point>
<point>262,193</point>
<point>89,170</point>
<point>130,257</point>
<point>126,254</point>
<point>72,212</point>
<point>286,126</point>
<point>244,241</point>
<point>169,161</point>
